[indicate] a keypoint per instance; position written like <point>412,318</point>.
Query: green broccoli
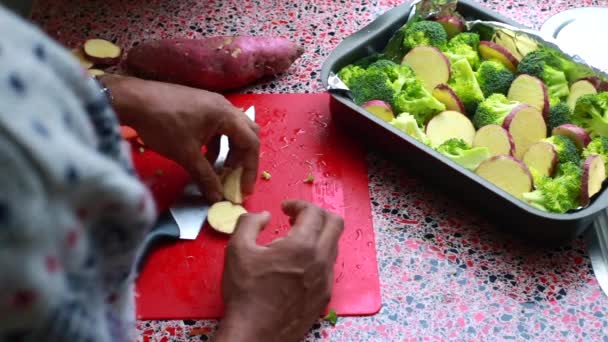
<point>493,110</point>
<point>463,45</point>
<point>347,73</point>
<point>546,66</point>
<point>460,152</point>
<point>559,194</point>
<point>425,33</point>
<point>493,77</point>
<point>465,85</point>
<point>407,123</point>
<point>566,149</point>
<point>591,113</point>
<point>599,146</point>
<point>416,100</point>
<point>397,73</point>
<point>559,114</point>
<point>381,80</point>
<point>372,85</point>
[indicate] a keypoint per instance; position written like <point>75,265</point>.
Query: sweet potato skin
<point>215,63</point>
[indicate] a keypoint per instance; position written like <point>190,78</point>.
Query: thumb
<point>249,226</point>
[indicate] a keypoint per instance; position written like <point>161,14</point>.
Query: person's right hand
<point>276,292</point>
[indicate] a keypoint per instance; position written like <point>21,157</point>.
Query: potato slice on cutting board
<point>232,186</point>
<point>223,216</point>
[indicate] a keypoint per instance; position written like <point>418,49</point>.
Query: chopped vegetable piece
<point>310,178</point>
<point>331,317</point>
<point>223,216</point>
<point>266,175</point>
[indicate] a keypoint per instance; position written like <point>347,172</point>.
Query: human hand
<point>276,292</point>
<point>176,121</point>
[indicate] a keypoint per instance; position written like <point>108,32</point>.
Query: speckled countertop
<point>450,275</point>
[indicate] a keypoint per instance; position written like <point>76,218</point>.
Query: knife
<point>185,218</point>
<point>597,248</point>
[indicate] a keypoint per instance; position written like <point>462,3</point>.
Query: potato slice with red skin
<point>594,80</point>
<point>101,51</point>
<point>380,109</point>
<point>223,216</point>
<point>530,90</point>
<point>578,89</point>
<point>497,139</point>
<point>430,65</point>
<point>444,94</point>
<point>450,124</point>
<point>542,157</point>
<point>232,186</point>
<point>507,173</point>
<point>452,25</point>
<point>96,72</point>
<point>594,174</point>
<point>82,59</point>
<point>527,126</point>
<point>492,51</point>
<point>580,137</point>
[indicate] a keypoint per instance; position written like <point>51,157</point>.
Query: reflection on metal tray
<point>506,211</point>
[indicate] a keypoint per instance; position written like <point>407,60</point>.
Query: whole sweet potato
<point>215,63</point>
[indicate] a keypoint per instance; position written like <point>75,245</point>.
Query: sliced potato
<point>578,89</point>
<point>223,216</point>
<point>82,59</point>
<point>527,126</point>
<point>102,51</point>
<point>507,173</point>
<point>542,157</point>
<point>530,90</point>
<point>232,186</point>
<point>450,124</point>
<point>430,65</point>
<point>594,174</point>
<point>492,51</point>
<point>496,139</point>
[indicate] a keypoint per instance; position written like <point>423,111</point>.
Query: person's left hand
<point>176,121</point>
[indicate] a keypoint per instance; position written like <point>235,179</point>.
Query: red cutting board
<point>182,280</point>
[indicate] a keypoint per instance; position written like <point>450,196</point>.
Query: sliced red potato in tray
<point>444,94</point>
<point>507,173</point>
<point>578,89</point>
<point>497,139</point>
<point>530,90</point>
<point>430,65</point>
<point>380,109</point>
<point>450,125</point>
<point>580,137</point>
<point>492,51</point>
<point>542,157</point>
<point>527,126</point>
<point>594,174</point>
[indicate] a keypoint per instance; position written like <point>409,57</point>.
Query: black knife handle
<point>165,231</point>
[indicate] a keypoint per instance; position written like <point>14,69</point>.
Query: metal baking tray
<point>503,209</point>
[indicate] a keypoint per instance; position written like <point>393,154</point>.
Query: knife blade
<point>597,248</point>
<point>190,210</point>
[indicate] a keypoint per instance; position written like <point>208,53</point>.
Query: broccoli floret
<point>559,194</point>
<point>566,149</point>
<point>460,152</point>
<point>559,114</point>
<point>397,73</point>
<point>591,113</point>
<point>493,110</point>
<point>599,146</point>
<point>425,33</point>
<point>408,124</point>
<point>465,85</point>
<point>372,85</point>
<point>494,78</point>
<point>463,45</point>
<point>546,66</point>
<point>416,100</point>
<point>347,73</point>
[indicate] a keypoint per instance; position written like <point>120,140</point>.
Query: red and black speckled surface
<point>446,274</point>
